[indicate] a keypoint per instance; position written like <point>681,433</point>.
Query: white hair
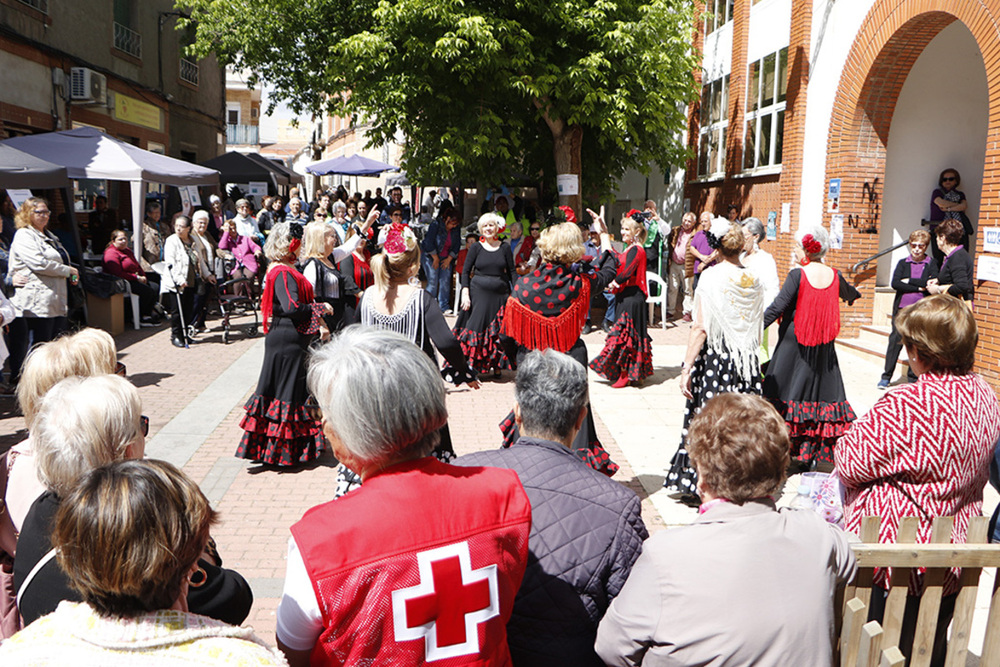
<point>818,233</point>
<point>84,423</point>
<point>200,214</point>
<point>276,245</point>
<point>490,217</point>
<point>380,394</point>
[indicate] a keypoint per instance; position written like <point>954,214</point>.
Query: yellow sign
<point>131,110</point>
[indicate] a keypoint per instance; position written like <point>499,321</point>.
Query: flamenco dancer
<point>627,357</point>
<point>486,279</point>
<point>278,427</point>
<point>803,378</point>
<point>548,309</point>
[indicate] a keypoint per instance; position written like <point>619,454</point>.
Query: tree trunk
<point>567,144</point>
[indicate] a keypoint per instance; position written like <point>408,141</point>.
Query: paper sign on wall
<point>833,196</point>
<point>988,268</point>
<point>837,231</point>
<point>18,197</point>
<point>185,200</point>
<point>772,225</point>
<point>567,184</point>
<point>786,218</point>
<point>194,195</point>
<point>257,188</point>
<point>992,242</point>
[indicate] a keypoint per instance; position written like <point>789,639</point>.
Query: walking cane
<point>180,314</point>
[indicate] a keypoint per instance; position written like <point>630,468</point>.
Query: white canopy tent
<point>89,153</point>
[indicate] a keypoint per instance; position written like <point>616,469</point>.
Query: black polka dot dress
<point>713,373</point>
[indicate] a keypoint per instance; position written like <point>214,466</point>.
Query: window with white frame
<point>764,126</point>
<point>717,14</point>
<point>714,124</point>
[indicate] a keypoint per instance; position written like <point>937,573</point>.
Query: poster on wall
<point>988,268</point>
<point>992,239</point>
<point>194,195</point>
<point>185,200</point>
<point>18,197</point>
<point>786,218</point>
<point>772,225</point>
<point>258,189</point>
<point>833,196</point>
<point>567,184</point>
<point>837,231</point>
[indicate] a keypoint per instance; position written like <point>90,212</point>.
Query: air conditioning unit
<point>88,86</point>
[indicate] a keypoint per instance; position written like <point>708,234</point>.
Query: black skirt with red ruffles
<point>588,449</point>
<point>805,385</point>
<point>478,329</point>
<point>278,429</point>
<point>627,350</point>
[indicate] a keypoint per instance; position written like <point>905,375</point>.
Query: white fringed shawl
<point>730,305</point>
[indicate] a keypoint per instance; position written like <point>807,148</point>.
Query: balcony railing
<point>40,5</point>
<point>189,71</point>
<point>128,40</point>
<point>241,134</point>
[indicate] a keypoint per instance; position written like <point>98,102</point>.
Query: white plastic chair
<point>660,300</point>
<point>134,298</point>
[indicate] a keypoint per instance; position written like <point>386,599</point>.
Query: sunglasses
<point>313,410</point>
<point>534,229</point>
<point>144,424</point>
<point>943,180</point>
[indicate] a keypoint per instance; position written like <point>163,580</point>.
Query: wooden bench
<point>875,645</point>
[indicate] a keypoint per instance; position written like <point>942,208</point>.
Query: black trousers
<point>26,332</point>
<point>187,307</point>
<point>892,355</point>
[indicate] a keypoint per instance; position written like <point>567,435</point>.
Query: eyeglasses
<point>144,424</point>
<point>534,229</point>
<point>948,178</point>
<point>41,211</point>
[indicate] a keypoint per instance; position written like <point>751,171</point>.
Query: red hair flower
<point>568,212</point>
<point>811,245</point>
<point>395,238</point>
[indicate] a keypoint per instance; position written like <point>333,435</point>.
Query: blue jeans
<point>609,314</point>
<point>439,282</point>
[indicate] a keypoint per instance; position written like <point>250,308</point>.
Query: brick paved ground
<point>258,504</point>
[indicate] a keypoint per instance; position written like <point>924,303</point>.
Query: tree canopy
<point>478,90</point>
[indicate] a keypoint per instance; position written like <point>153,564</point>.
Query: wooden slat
<point>930,601</point>
<point>871,645</point>
<point>862,589</point>
<point>850,641</point>
<point>965,602</point>
<point>892,657</point>
<point>895,604</point>
<point>927,555</point>
<point>991,646</point>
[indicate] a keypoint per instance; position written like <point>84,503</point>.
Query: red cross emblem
<point>448,604</point>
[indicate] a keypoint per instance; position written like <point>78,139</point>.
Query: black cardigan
<point>903,284</point>
<point>956,270</point>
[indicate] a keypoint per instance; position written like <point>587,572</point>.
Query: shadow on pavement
<point>325,460</point>
<point>148,379</point>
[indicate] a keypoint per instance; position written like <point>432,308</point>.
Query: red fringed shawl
<point>267,299</point>
<point>548,308</point>
<point>817,312</point>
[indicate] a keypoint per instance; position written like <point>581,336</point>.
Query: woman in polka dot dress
<point>548,308</point>
<point>722,348</point>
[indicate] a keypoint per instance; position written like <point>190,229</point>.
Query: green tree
<point>479,90</point>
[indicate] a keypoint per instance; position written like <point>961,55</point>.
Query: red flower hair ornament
<point>811,245</point>
<point>568,212</point>
<point>398,238</point>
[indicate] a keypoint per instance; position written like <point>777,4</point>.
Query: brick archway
<point>892,37</point>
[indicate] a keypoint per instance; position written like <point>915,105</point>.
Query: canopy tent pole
<point>137,216</point>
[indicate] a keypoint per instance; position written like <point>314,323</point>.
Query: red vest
<point>421,564</point>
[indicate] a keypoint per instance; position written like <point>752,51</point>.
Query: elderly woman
<point>318,260</point>
<point>278,427</point>
<point>134,606</point>
<point>955,276</point>
<point>924,449</point>
<point>185,276</point>
<point>41,300</point>
<point>247,256</point>
<point>84,423</point>
<point>909,280</point>
<point>722,346</point>
<point>677,245</point>
<point>486,280</point>
<point>717,591</point>
<point>760,262</point>
<point>627,356</point>
<point>119,261</point>
<point>206,249</point>
<point>246,224</point>
<point>373,596</point>
<point>803,379</point>
<point>547,309</point>
<point>85,353</point>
